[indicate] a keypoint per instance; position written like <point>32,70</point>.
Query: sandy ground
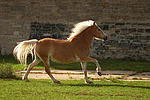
<point>78,74</point>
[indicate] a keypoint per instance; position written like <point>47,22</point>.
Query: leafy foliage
<point>6,71</point>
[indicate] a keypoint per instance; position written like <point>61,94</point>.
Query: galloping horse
<point>75,49</point>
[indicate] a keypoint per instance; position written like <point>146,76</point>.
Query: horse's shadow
<point>107,85</point>
<point>98,85</point>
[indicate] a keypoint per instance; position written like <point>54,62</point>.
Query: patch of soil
<point>78,74</point>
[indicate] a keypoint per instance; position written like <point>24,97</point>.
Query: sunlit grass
<point>104,89</point>
<point>73,90</point>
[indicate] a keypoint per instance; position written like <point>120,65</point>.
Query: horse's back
<point>53,43</point>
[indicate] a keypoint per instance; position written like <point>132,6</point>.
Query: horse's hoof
<point>56,81</point>
<point>99,73</point>
<point>90,82</point>
<point>26,79</point>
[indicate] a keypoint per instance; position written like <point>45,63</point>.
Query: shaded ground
<point>78,74</point>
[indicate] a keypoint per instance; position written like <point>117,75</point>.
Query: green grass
<point>117,64</point>
<point>73,90</point>
<point>103,89</point>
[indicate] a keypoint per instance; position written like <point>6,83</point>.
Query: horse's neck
<point>84,40</point>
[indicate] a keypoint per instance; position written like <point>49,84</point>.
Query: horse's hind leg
<point>47,69</point>
<point>34,63</point>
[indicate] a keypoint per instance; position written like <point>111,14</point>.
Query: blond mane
<point>79,27</point>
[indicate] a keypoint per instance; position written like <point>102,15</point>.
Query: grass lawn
<point>134,65</point>
<point>73,90</point>
<point>11,89</point>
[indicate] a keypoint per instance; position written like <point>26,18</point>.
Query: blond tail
<point>24,48</point>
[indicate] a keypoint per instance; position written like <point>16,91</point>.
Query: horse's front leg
<point>98,69</point>
<point>84,67</point>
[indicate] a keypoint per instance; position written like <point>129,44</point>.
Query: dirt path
<point>78,74</point>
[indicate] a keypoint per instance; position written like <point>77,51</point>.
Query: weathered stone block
<point>147,30</point>
<point>120,24</point>
<point>132,30</point>
<point>105,27</point>
<point>16,32</point>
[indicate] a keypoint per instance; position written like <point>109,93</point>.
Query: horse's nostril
<point>105,38</point>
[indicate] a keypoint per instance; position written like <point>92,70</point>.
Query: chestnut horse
<point>75,49</point>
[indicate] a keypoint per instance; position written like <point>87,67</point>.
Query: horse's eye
<point>98,30</point>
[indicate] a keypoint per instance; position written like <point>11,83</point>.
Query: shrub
<point>6,71</point>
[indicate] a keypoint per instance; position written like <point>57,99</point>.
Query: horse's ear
<point>94,23</point>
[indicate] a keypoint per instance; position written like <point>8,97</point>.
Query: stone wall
<point>126,40</point>
<point>126,22</point>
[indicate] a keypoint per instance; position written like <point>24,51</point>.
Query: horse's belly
<point>63,59</point>
<point>65,56</point>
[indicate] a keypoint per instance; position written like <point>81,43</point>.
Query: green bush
<point>6,71</point>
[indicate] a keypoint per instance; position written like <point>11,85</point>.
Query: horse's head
<point>98,33</point>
